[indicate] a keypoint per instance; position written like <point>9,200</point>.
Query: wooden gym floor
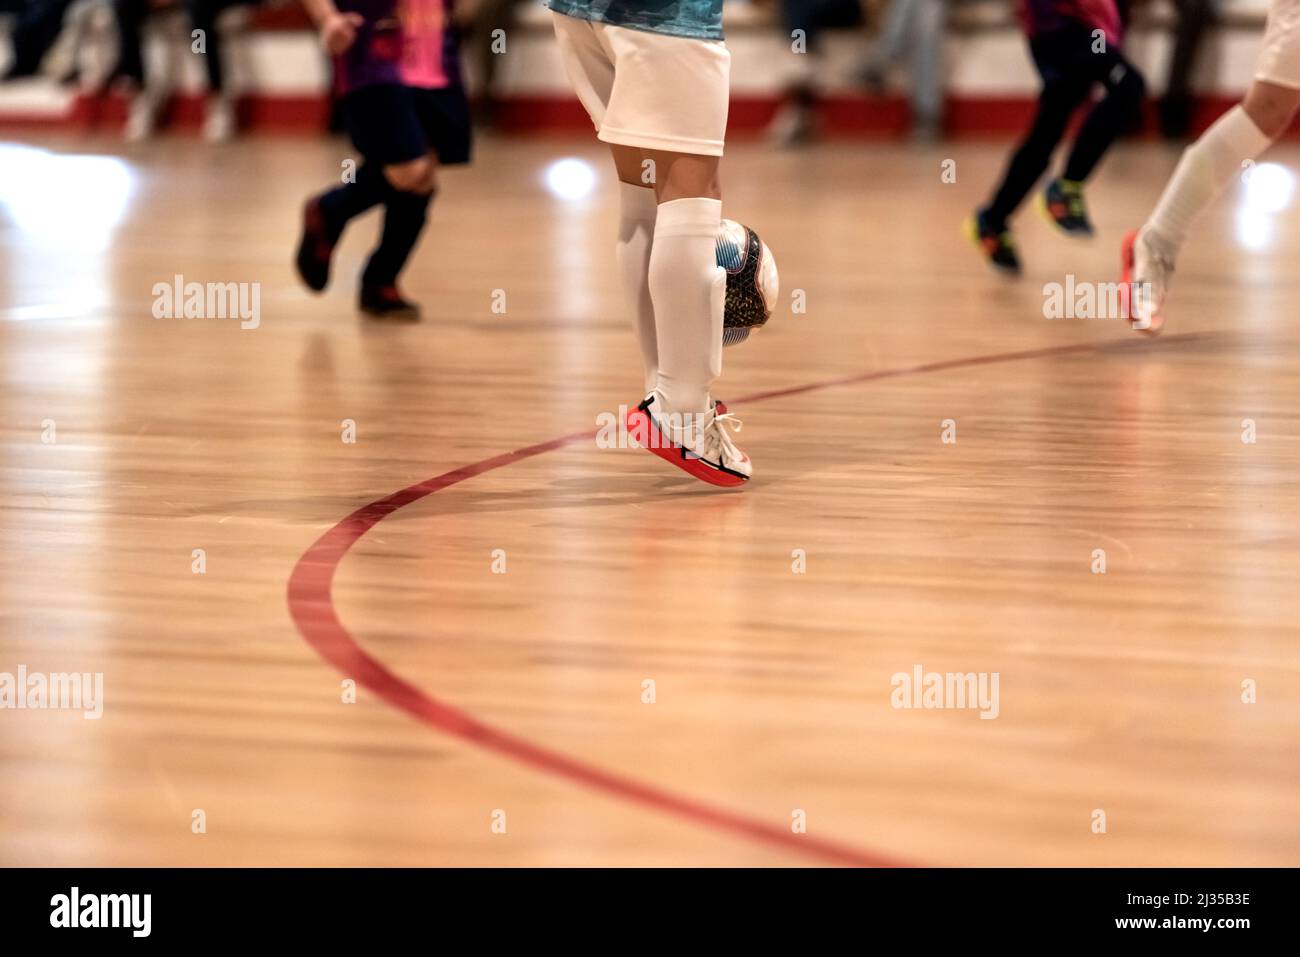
<point>500,717</point>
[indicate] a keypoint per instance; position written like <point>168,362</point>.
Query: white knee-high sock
<point>688,288</point>
<point>1206,168</point>
<point>636,229</point>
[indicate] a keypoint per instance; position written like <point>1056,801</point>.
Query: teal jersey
<point>700,19</point>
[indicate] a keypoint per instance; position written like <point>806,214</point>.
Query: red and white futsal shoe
<point>1145,282</point>
<point>698,443</point>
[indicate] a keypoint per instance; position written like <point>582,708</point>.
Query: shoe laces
<point>1163,266</point>
<point>1158,266</point>
<point>716,444</point>
<point>1158,269</point>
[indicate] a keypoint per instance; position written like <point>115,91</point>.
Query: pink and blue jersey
<point>409,42</point>
<point>1044,16</point>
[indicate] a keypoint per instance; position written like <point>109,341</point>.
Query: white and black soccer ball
<point>752,283</point>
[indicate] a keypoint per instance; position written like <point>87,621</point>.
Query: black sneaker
<point>997,244</point>
<point>316,247</point>
<point>385,302</point>
<point>1062,202</point>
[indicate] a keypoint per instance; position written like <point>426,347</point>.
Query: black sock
<point>352,199</point>
<point>404,218</point>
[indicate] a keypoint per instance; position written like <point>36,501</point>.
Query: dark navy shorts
<point>390,123</point>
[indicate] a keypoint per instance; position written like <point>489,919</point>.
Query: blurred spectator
<point>220,120</point>
<point>1194,16</point>
<point>38,25</point>
<point>480,19</point>
<point>803,22</point>
<point>913,31</point>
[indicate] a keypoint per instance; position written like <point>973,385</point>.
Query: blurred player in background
<point>654,76</point>
<point>404,106</point>
<point>1075,45</point>
<point>1209,165</point>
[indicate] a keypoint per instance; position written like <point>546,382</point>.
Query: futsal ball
<point>751,281</point>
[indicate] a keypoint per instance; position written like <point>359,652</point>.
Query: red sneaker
<point>387,302</point>
<point>1144,281</point>
<point>701,446</point>
<point>316,248</point>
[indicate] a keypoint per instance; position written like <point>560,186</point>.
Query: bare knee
<point>672,175</point>
<point>1271,107</point>
<point>414,176</point>
<point>687,176</point>
<point>635,166</point>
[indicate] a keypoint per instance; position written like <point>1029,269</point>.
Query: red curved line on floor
<point>312,607</point>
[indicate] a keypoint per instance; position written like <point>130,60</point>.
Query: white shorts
<point>1279,60</point>
<point>648,89</point>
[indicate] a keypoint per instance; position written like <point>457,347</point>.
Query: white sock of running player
<point>688,288</point>
<point>1207,166</point>
<point>636,229</point>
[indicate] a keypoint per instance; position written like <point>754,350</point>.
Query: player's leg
<point>1209,165</point>
<point>396,164</point>
<point>363,185</point>
<point>682,192</point>
<point>1113,115</point>
<point>443,120</point>
<point>405,142</point>
<point>326,214</point>
<point>687,287</point>
<point>1064,89</point>
<point>660,102</point>
<point>1204,171</point>
<point>647,177</point>
<point>638,208</point>
<point>1060,96</point>
<point>685,282</point>
<point>412,185</point>
<point>679,420</point>
<point>590,68</point>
